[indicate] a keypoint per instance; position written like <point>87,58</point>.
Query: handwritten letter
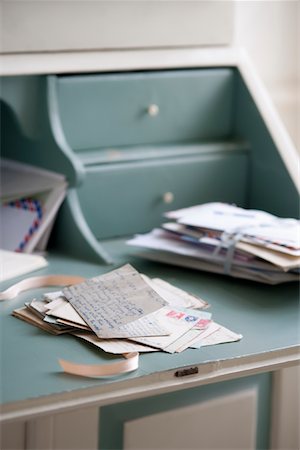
<point>109,301</point>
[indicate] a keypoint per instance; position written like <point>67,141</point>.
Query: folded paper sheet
<point>13,264</point>
<point>177,322</point>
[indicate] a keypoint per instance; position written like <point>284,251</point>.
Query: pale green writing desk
<point>213,140</point>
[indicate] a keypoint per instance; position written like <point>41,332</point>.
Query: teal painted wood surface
<point>30,127</point>
<point>72,234</point>
<point>113,417</point>
<point>267,316</point>
<point>111,109</point>
<point>161,152</point>
<point>130,196</point>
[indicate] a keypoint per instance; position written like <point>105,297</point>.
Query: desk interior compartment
<point>206,141</point>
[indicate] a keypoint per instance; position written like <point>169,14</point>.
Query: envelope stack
<point>226,239</point>
<point>124,311</point>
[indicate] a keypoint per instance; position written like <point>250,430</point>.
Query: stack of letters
<point>223,238</point>
<point>124,311</point>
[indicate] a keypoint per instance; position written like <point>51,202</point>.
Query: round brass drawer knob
<point>168,197</point>
<point>153,110</point>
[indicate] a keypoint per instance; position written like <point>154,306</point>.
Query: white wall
<point>266,28</point>
<point>270,32</point>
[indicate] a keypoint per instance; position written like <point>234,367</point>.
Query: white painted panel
<point>12,436</point>
<point>76,430</point>
<point>99,61</point>
<point>227,422</point>
<point>39,433</point>
<point>286,409</point>
<point>32,26</point>
<point>275,51</point>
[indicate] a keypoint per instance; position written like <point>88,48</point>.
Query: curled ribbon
<point>101,370</point>
<point>37,282</point>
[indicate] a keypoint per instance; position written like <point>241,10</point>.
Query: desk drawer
<point>110,110</point>
<point>123,199</point>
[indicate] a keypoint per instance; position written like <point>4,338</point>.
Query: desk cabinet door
<point>231,415</point>
<point>227,422</point>
<point>69,430</point>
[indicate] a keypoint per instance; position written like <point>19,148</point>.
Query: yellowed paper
<point>174,296</point>
<point>283,260</point>
<point>115,346</point>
